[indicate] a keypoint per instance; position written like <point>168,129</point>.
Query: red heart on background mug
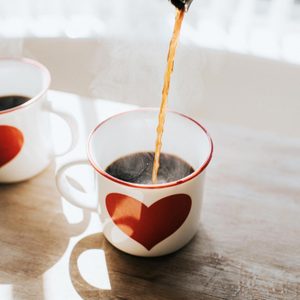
<point>148,225</point>
<point>11,143</point>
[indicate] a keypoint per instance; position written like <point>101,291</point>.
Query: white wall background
<point>238,60</point>
<point>262,27</point>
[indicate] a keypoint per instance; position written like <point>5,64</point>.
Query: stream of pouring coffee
<point>165,92</point>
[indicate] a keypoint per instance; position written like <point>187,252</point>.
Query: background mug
<point>144,220</point>
<point>25,143</point>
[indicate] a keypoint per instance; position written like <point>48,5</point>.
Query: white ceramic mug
<point>144,220</point>
<point>25,137</point>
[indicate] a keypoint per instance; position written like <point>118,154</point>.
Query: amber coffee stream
<point>165,92</point>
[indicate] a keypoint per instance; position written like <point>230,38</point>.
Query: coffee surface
<point>11,101</point>
<point>137,168</point>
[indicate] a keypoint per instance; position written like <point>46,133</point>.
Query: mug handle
<point>71,194</point>
<point>72,123</point>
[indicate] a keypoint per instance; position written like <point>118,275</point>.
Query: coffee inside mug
<point>21,81</point>
<point>125,143</point>
<point>138,167</point>
<point>11,101</point>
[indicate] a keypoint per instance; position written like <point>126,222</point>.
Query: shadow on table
<point>34,233</point>
<point>185,274</point>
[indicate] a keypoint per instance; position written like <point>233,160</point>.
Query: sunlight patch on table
<point>6,291</point>
<point>93,268</point>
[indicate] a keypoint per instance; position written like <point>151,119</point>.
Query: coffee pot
<point>182,4</point>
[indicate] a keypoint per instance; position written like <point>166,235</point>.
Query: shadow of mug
<point>173,276</point>
<point>34,232</point>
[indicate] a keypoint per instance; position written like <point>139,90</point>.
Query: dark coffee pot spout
<point>182,4</point>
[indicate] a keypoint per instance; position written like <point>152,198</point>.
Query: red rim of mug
<point>34,63</point>
<point>149,186</point>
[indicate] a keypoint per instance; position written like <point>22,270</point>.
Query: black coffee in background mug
<point>137,168</point>
<point>11,101</point>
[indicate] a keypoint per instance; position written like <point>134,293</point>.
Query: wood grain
<point>247,247</point>
<point>248,242</point>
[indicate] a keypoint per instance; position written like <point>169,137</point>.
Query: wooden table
<point>247,247</point>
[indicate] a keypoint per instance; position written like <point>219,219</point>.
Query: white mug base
<point>157,251</point>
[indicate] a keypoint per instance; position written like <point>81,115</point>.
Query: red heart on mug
<point>11,143</point>
<point>148,225</point>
